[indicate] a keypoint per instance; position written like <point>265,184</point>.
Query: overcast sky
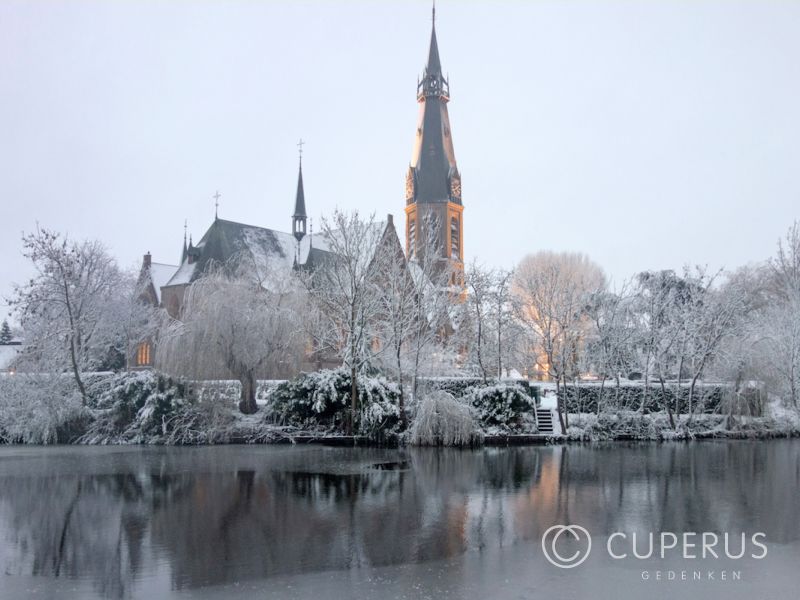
<point>645,134</point>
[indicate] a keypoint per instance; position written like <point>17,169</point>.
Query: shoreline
<point>489,441</point>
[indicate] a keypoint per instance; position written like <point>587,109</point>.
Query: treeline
<point>374,310</point>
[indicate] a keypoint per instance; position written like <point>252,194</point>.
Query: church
<point>433,207</point>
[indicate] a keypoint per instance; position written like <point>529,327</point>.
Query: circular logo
<point>550,545</point>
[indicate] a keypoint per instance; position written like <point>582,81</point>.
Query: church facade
<point>433,209</point>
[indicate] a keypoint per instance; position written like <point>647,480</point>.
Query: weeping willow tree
<point>239,323</point>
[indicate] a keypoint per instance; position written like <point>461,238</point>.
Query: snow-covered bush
<point>40,409</point>
<point>319,400</point>
<point>501,405</point>
<point>135,407</point>
<point>441,420</point>
<point>224,390</point>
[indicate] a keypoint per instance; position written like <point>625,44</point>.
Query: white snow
<point>160,274</point>
<point>7,355</point>
<point>182,276</point>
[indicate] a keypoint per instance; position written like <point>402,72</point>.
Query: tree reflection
<point>241,514</point>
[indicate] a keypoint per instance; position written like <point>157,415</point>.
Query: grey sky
<point>646,134</point>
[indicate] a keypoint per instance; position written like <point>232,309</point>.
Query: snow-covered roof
<point>160,274</point>
<point>182,275</point>
<point>266,249</point>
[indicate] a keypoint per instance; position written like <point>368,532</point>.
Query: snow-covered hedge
<point>633,425</point>
<point>501,406</point>
<point>585,397</point>
<point>320,400</point>
<point>461,386</point>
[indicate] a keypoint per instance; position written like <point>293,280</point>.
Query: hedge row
<point>584,398</point>
<point>461,386</point>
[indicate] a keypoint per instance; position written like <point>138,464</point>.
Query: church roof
<point>266,249</point>
<point>160,274</point>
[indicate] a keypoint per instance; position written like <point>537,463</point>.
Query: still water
<point>316,522</point>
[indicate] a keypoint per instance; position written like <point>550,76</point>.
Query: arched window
<point>144,355</point>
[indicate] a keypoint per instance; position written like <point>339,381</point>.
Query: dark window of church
<point>412,238</point>
<point>143,358</point>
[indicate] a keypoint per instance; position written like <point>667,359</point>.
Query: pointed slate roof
<point>434,66</point>
<point>433,161</point>
<point>300,199</point>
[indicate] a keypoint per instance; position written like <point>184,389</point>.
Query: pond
<point>312,521</point>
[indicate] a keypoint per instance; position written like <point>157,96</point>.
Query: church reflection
<point>232,514</point>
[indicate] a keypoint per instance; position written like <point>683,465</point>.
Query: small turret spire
<point>299,217</point>
<point>185,228</point>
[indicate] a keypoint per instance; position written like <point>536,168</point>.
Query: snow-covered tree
<point>551,290</point>
<point>236,324</point>
<point>347,295</point>
<point>395,325</point>
<point>779,322</point>
<point>505,332</point>
<point>438,293</point>
<point>610,340</point>
<point>5,333</point>
<point>69,309</point>
<point>709,315</point>
<point>479,280</point>
<point>489,309</point>
<point>785,266</point>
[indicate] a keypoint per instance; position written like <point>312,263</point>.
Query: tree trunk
<point>480,353</point>
<point>691,394</point>
<point>77,373</point>
<point>666,402</point>
<point>499,351</point>
<point>600,397</point>
<point>401,399</point>
<point>678,391</point>
<point>559,406</point>
<point>353,400</point>
<point>247,400</point>
<point>646,390</point>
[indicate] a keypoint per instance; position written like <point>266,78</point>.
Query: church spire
<point>299,216</point>
<point>433,182</point>
<point>433,83</point>
<point>434,66</point>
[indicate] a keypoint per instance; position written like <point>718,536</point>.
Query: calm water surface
<point>303,522</point>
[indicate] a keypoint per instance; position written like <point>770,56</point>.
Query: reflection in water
<point>218,515</point>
